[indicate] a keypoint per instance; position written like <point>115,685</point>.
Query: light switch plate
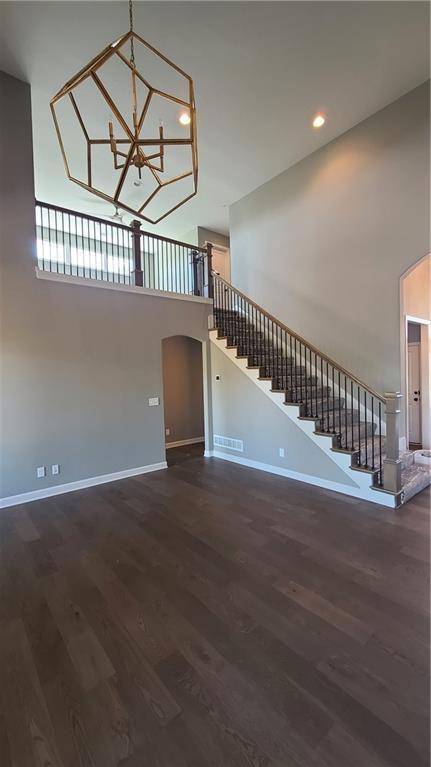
<point>55,468</point>
<point>41,471</point>
<point>153,401</point>
<point>281,452</point>
<point>167,432</point>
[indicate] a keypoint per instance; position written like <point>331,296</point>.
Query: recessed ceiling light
<point>185,118</point>
<point>318,121</point>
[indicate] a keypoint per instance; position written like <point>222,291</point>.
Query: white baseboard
<point>80,484</point>
<point>182,442</point>
<point>325,484</point>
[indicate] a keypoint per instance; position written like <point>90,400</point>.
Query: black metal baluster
<point>312,387</point>
<point>333,401</point>
<point>116,255</point>
<point>115,269</point>
<point>380,446</point>
<point>92,235</point>
<point>42,219</point>
<point>345,412</point>
<point>70,245</point>
<point>351,413</point>
<point>372,436</point>
<point>57,244</point>
<point>300,371</point>
<point>359,428</point>
<point>327,399</point>
<point>49,240</point>
<point>280,355</point>
<point>254,346</point>
<point>366,429</point>
<point>322,397</point>
<point>272,353</point>
<point>128,254</point>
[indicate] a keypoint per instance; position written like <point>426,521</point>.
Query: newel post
<point>210,270</point>
<point>195,263</point>
<point>138,275</point>
<point>392,462</point>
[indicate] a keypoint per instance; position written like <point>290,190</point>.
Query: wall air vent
<point>232,444</point>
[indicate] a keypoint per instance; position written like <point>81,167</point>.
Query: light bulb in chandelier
<point>139,180</point>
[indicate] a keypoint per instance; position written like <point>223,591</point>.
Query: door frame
<point>425,347</point>
<point>224,249</point>
<point>206,389</point>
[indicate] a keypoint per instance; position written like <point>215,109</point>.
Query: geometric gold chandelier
<point>126,125</point>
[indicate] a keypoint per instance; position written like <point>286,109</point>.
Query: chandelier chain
<point>132,46</point>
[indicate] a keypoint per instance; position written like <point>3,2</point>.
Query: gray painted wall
<point>323,245</point>
<point>199,235</point>
<point>242,411</point>
<point>216,238</point>
<point>78,364</point>
<point>183,388</point>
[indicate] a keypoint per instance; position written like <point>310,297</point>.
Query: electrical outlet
<point>153,401</point>
<point>41,471</point>
<point>167,432</point>
<point>281,452</point>
<point>55,468</point>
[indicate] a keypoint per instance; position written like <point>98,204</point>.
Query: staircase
<point>351,422</point>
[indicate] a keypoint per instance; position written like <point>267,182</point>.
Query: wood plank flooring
<point>212,616</point>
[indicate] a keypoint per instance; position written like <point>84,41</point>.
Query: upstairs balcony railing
<point>78,245</point>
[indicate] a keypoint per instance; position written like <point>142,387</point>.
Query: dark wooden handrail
<point>69,211</point>
<point>305,343</point>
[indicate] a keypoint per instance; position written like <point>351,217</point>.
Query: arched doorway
<point>183,398</point>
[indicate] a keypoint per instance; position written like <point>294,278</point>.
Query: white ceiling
<point>261,71</point>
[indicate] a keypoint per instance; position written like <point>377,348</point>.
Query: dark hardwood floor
<point>210,615</point>
<point>175,455</point>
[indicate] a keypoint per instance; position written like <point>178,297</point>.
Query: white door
<point>414,396</point>
<point>221,262</point>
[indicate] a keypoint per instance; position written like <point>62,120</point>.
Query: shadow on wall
<point>183,390</point>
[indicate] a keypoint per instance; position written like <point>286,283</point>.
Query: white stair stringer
<point>362,479</point>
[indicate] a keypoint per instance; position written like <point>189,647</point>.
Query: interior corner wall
<point>216,238</point>
<point>78,364</point>
<point>183,388</point>
<point>323,245</point>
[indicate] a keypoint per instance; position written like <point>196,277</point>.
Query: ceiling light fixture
<point>117,216</point>
<point>318,121</point>
<point>128,144</point>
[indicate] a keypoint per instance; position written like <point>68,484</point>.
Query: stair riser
<point>335,418</point>
<point>295,395</point>
<point>356,435</point>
